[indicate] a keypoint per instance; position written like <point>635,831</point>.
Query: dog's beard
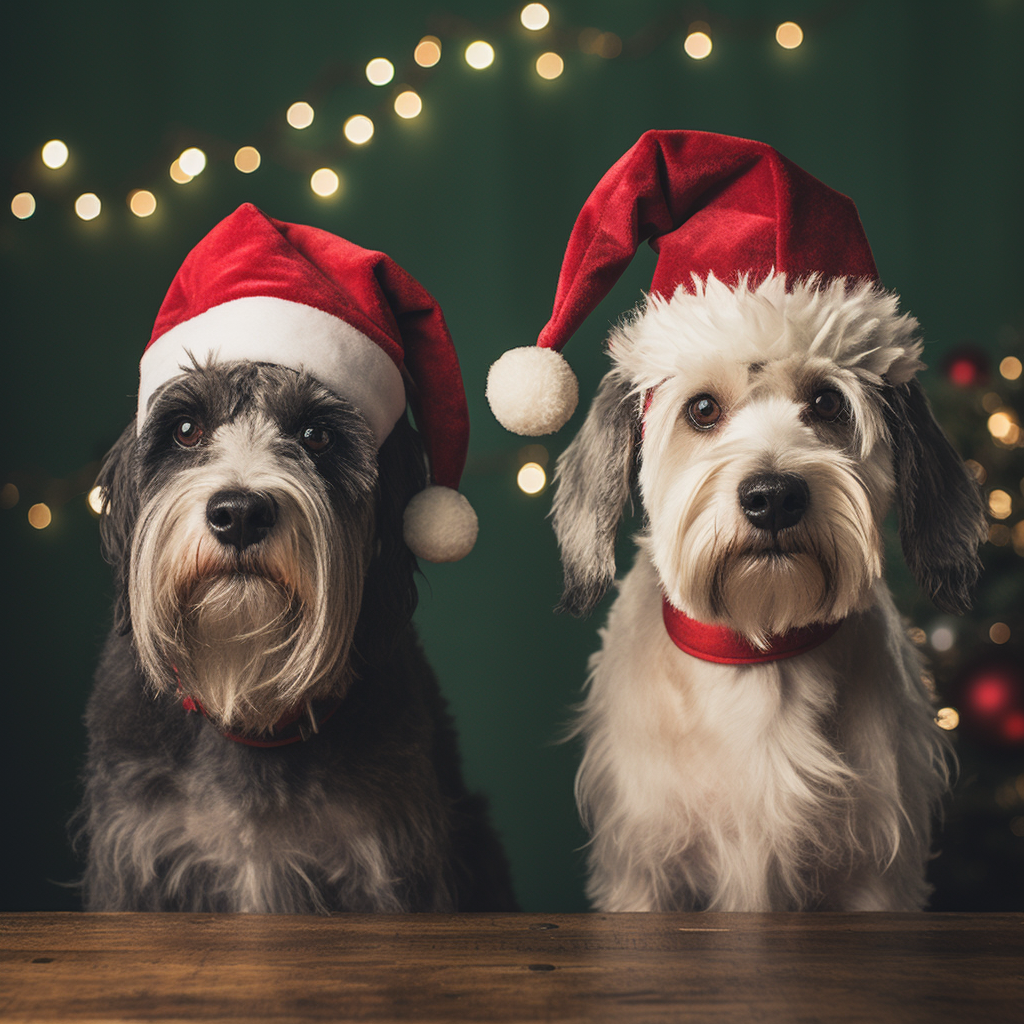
<point>717,568</point>
<point>249,635</point>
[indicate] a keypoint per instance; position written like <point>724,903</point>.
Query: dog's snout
<point>773,501</point>
<point>240,518</point>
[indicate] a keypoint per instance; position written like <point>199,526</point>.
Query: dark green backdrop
<point>913,109</point>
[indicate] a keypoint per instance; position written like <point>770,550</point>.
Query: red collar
<point>721,645</point>
<point>298,723</point>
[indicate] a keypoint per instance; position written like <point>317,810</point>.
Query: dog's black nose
<point>773,501</point>
<point>240,518</point>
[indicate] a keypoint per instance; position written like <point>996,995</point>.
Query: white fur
<point>796,784</point>
<point>532,390</point>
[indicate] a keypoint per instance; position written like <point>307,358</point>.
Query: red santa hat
<point>266,291</point>
<point>708,204</point>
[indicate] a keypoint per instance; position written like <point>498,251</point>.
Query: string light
<point>55,154</point>
<point>789,35</point>
<point>531,478</point>
<point>325,182</point>
<point>550,65</point>
<point>299,115</point>
<point>142,202</point>
<point>247,159</point>
<point>947,718</point>
<point>1001,425</point>
<point>427,52</point>
<point>358,129</point>
<point>408,104</point>
<point>479,55</point>
<point>534,17</point>
<point>698,42</point>
<point>88,206</point>
<point>1010,368</point>
<point>23,205</point>
<point>178,176</point>
<point>40,516</point>
<point>380,71</point>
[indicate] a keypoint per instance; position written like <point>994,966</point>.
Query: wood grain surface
<point>792,968</point>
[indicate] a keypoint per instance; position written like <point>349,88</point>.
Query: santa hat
<point>262,290</point>
<point>708,204</point>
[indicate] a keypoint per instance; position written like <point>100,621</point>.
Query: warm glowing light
<point>608,45</point>
<point>248,159</point>
<point>942,638</point>
<point>531,478</point>
<point>358,129</point>
<point>789,35</point>
<point>1017,537</point>
<point>1000,425</point>
<point>916,635</point>
<point>94,499</point>
<point>178,176</point>
<point>9,496</point>
<point>55,154</point>
<point>550,65</point>
<point>1000,504</point>
<point>142,202</point>
<point>991,402</point>
<point>408,104</point>
<point>88,206</point>
<point>479,55</point>
<point>40,516</point>
<point>999,534</point>
<point>534,17</point>
<point>23,205</point>
<point>325,182</point>
<point>697,45</point>
<point>947,718</point>
<point>999,633</point>
<point>380,71</point>
<point>300,115</point>
<point>192,161</point>
<point>1011,367</point>
<point>427,52</point>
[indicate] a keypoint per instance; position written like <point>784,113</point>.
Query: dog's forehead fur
<point>722,332</point>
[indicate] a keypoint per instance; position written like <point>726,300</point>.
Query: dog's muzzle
<point>240,518</point>
<point>774,501</point>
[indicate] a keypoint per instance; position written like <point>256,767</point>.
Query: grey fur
<point>371,813</point>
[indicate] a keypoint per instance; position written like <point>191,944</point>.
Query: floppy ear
<point>942,518</point>
<point>118,479</point>
<point>594,477</point>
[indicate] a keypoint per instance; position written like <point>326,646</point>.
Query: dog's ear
<point>118,480</point>
<point>594,477</point>
<point>942,518</point>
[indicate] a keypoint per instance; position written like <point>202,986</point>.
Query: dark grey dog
<point>265,734</point>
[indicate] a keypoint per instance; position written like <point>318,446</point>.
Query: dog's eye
<point>704,412</point>
<point>315,439</point>
<point>188,433</point>
<point>828,404</point>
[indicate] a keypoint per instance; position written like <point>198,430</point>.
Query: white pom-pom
<point>440,525</point>
<point>532,390</point>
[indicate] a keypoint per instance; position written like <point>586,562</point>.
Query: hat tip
<point>440,525</point>
<point>532,390</point>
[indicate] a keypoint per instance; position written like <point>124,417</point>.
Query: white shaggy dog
<point>768,431</point>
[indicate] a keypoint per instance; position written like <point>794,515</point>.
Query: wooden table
<point>873,968</point>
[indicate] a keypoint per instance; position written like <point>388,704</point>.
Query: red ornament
<point>966,366</point>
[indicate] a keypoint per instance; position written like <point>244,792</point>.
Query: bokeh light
<point>789,35</point>
<point>94,499</point>
<point>534,17</point>
<point>142,202</point>
<point>999,632</point>
<point>531,478</point>
<point>408,104</point>
<point>697,45</point>
<point>943,638</point>
<point>1000,504</point>
<point>40,516</point>
<point>178,176</point>
<point>947,718</point>
<point>1010,368</point>
<point>325,182</point>
<point>427,52</point>
<point>248,159</point>
<point>380,71</point>
<point>479,55</point>
<point>9,495</point>
<point>192,161</point>
<point>55,154</point>
<point>23,205</point>
<point>550,65</point>
<point>88,206</point>
<point>358,129</point>
<point>300,115</point>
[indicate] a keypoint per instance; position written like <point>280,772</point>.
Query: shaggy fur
<point>371,813</point>
<point>805,783</point>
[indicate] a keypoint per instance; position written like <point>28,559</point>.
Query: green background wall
<point>914,109</point>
